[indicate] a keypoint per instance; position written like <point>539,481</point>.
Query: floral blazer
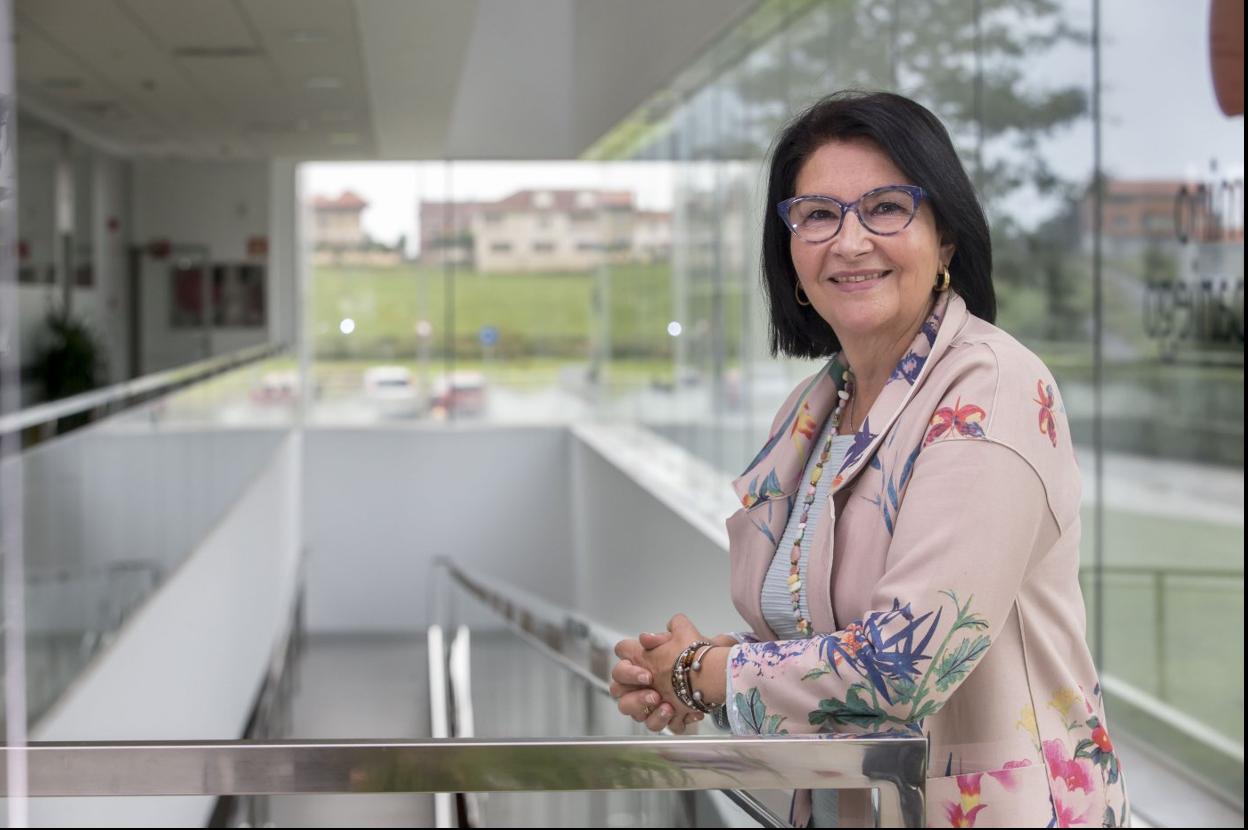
<point>942,585</point>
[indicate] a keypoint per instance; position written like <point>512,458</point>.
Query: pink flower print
<point>1046,399</point>
<point>963,813</point>
<point>964,420</point>
<point>1066,816</point>
<point>959,818</point>
<point>1072,771</point>
<point>1005,777</point>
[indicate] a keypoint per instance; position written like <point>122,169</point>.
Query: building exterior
<point>544,231</point>
<point>446,232</point>
<point>341,239</point>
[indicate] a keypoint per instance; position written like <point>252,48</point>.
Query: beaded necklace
<point>795,575</point>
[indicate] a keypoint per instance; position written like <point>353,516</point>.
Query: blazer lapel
<point>946,318</point>
<point>766,491</point>
<point>774,472</point>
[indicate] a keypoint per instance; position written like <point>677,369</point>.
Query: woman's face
<point>892,303</point>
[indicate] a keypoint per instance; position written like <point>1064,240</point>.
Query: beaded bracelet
<point>680,674</point>
<point>681,685</point>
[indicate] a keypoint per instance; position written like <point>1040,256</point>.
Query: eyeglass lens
<point>882,211</point>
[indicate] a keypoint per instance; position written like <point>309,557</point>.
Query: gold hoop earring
<point>943,280</point>
<point>799,293</point>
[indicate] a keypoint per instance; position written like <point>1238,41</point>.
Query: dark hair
<point>915,140</point>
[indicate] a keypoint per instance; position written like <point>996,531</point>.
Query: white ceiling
<point>365,79</point>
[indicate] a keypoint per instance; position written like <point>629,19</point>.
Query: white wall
<point>380,504</point>
<point>638,559</point>
<point>215,205</point>
<point>536,507</point>
<point>131,490</point>
<point>189,663</point>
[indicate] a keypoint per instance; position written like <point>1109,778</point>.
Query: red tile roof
<point>346,201</point>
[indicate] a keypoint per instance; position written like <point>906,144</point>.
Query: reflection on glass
<point>507,291</point>
<point>113,509</point>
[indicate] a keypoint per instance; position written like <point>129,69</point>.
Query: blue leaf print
<point>862,440</point>
<point>771,487</point>
<point>908,368</point>
<point>908,467</point>
<point>766,531</point>
<point>864,647</point>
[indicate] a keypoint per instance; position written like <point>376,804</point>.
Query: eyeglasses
<point>884,211</point>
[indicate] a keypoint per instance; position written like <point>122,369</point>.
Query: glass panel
<point>1173,275</point>
<point>113,510</point>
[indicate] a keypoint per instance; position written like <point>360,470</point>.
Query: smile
<point>861,276</point>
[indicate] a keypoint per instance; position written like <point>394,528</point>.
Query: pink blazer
<point>942,585</point>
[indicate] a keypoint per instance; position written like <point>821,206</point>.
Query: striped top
<point>777,604</point>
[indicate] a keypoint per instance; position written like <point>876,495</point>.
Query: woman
<point>907,550</point>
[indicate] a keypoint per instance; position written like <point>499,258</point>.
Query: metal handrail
<point>439,714</point>
<point>557,633</point>
<point>145,386</point>
<point>896,765</point>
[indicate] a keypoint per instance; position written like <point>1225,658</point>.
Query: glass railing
<point>536,668</point>
<point>526,656</point>
<point>120,485</point>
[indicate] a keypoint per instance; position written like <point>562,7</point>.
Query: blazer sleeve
<point>973,516</point>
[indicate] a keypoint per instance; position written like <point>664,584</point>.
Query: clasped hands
<point>641,682</point>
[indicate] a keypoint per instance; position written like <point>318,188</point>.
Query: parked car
<point>463,393</point>
<point>281,387</point>
<point>390,390</point>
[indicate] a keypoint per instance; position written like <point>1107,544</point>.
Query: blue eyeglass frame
<point>915,191</point>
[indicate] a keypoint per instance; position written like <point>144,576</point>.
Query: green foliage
<point>854,710</point>
<point>69,360</point>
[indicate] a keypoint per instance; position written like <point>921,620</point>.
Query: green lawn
<point>537,315</point>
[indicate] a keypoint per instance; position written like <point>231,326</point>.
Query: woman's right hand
<point>631,686</point>
<point>634,693</point>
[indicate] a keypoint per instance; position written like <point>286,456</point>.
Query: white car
<point>391,391</point>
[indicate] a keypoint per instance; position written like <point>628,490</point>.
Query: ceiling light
<point>62,83</point>
<point>324,82</point>
<point>308,36</point>
<point>216,52</point>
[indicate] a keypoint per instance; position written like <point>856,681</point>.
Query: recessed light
<point>62,83</point>
<point>308,36</point>
<point>216,52</point>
